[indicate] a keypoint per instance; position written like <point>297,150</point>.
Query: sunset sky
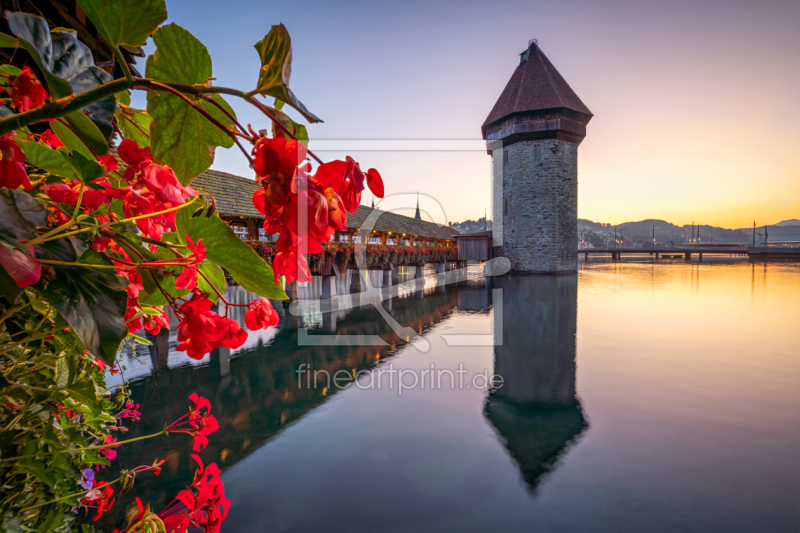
<point>696,112</point>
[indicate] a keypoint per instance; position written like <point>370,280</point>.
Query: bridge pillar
<point>418,272</point>
<point>329,322</point>
<point>419,288</point>
<point>328,287</point>
<point>355,280</point>
<point>687,256</point>
<point>700,257</point>
<point>386,280</point>
<point>395,275</point>
<point>656,255</point>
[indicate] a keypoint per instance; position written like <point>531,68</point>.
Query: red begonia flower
<point>281,156</point>
<point>134,325</point>
<point>154,323</point>
<point>109,162</point>
<point>51,139</point>
<point>375,182</point>
<point>26,91</point>
<point>233,336</point>
<point>261,315</point>
<point>12,164</point>
<point>163,183</point>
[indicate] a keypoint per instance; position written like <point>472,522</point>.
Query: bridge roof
<point>234,196</point>
<point>536,85</point>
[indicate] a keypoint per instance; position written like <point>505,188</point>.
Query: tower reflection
<point>536,412</point>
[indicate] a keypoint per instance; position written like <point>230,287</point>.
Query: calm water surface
<point>636,397</point>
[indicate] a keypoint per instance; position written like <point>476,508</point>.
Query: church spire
<point>416,215</point>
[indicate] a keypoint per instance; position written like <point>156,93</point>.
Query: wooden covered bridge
<point>395,240</point>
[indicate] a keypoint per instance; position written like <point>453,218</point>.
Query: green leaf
<point>88,132</point>
<point>85,392</point>
<point>53,161</point>
<point>275,52</point>
<point>123,98</point>
<point>135,124</point>
<point>125,21</point>
<point>225,249</point>
<point>138,339</point>
<point>181,136</point>
<point>7,41</point>
<point>217,278</point>
<point>87,169</point>
<point>62,372</point>
<point>69,139</point>
<point>298,130</point>
<point>154,297</point>
<point>39,470</point>
<point>93,304</point>
<point>93,458</point>
<point>79,134</point>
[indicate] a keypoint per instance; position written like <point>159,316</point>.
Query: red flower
<point>154,323</point>
<point>109,162</point>
<point>134,157</point>
<point>99,498</point>
<point>188,278</point>
<point>69,193</point>
<point>163,183</point>
<point>23,268</point>
<point>288,261</point>
<point>197,332</point>
<point>276,162</point>
<point>261,315</point>
<point>233,336</point>
<point>51,139</point>
<point>375,182</point>
<point>26,91</point>
<point>198,422</point>
<point>12,164</point>
<point>134,325</point>
<point>202,505</point>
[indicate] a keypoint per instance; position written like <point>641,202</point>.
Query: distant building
<point>532,134</point>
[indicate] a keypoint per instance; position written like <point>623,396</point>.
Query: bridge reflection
<point>255,393</point>
<point>536,412</point>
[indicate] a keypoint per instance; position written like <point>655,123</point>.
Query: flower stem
<point>98,447</point>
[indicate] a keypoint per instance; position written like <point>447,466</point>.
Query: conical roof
<point>536,85</point>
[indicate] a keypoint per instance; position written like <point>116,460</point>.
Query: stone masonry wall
<point>535,206</point>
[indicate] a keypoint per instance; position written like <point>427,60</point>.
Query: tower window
<point>537,152</point>
<point>505,157</point>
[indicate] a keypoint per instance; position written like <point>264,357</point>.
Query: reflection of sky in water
<point>639,396</point>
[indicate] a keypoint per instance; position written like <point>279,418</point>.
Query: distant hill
<point>644,230</point>
<point>471,226</point>
<point>786,230</point>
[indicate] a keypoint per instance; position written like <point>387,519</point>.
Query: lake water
<point>636,396</point>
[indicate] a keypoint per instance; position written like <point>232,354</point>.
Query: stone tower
<point>532,134</point>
